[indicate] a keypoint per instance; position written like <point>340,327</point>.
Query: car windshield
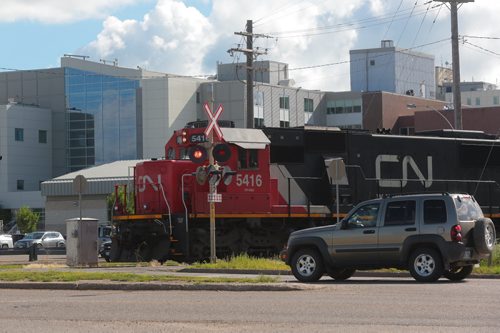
<point>34,235</point>
<point>467,208</point>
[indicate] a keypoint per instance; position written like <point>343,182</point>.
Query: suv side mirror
<point>344,224</point>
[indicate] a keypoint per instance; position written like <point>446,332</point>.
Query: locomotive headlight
<point>145,206</point>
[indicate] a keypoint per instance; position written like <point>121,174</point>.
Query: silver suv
<point>42,239</point>
<point>431,235</point>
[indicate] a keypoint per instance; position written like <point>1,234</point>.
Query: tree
<point>26,219</point>
<point>111,201</point>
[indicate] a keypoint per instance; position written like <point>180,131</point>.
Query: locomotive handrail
<point>183,199</point>
<point>168,207</point>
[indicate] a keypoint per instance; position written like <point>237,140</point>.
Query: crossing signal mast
<point>214,173</point>
<point>457,96</point>
<point>250,53</point>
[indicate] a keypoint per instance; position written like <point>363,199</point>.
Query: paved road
<point>361,304</point>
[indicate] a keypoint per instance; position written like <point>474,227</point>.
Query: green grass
<point>58,276</point>
<point>245,262</point>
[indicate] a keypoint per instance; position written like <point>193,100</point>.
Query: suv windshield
<point>467,208</point>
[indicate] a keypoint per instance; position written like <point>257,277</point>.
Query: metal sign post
<point>79,186</point>
<point>212,195</point>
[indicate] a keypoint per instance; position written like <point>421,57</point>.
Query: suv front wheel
<point>426,265</point>
<point>307,265</point>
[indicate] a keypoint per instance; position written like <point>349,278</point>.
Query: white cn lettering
<point>407,160</point>
<point>144,180</point>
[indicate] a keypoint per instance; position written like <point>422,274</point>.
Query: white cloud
<point>179,39</point>
<point>58,11</point>
<point>171,38</point>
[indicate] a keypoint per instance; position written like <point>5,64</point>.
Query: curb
<point>157,286</point>
<point>287,273</point>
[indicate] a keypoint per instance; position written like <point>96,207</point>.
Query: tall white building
<point>392,69</point>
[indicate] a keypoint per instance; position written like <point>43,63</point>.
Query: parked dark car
<point>105,249</point>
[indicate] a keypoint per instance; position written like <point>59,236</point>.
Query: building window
<point>356,108</point>
<point>308,105</point>
<point>258,102</point>
<point>372,62</point>
<point>478,101</point>
<point>198,99</point>
<point>258,123</point>
<point>284,111</point>
<point>20,185</point>
<point>469,101</point>
<point>330,110</point>
<point>19,134</point>
<point>42,136</point>
<point>285,103</point>
<point>496,100</point>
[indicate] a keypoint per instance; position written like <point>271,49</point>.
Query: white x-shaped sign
<point>212,120</point>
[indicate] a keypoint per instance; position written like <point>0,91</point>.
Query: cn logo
<point>143,181</point>
<point>408,162</point>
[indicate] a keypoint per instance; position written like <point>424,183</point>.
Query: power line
<point>482,48</point>
<point>356,25</point>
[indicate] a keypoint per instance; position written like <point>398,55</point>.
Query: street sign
<point>214,197</point>
<point>79,184</point>
<point>212,120</point>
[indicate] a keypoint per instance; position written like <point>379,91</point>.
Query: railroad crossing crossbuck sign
<point>212,120</point>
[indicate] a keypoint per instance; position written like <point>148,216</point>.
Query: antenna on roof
<point>84,57</point>
<point>114,62</point>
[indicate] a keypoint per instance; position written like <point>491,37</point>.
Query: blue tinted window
<point>101,118</point>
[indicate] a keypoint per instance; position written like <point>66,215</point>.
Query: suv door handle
<point>411,229</point>
<point>369,231</point>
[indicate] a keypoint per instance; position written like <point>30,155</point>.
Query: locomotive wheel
<point>143,253</point>
<point>115,251</point>
<point>161,250</point>
<point>199,249</point>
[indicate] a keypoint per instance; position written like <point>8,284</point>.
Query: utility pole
<point>457,96</point>
<point>250,53</point>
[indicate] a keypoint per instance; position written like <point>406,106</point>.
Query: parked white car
<point>6,241</point>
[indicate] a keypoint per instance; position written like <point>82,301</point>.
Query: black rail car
<point>376,164</point>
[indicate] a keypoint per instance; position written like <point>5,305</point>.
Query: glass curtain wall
<point>100,119</point>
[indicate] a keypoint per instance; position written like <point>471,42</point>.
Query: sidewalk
<point>286,281</point>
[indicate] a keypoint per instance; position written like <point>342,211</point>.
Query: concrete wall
<point>415,71</point>
<point>59,209</point>
<point>373,70</point>
<point>382,109</point>
<point>43,88</point>
<point>26,160</point>
<point>167,105</point>
<point>270,72</point>
<point>232,95</point>
<point>481,98</point>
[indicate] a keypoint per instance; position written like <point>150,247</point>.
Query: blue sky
<point>189,37</point>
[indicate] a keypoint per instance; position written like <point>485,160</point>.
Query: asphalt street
<point>359,305</point>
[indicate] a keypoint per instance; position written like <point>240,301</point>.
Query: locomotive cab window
<point>248,158</point>
<point>184,154</point>
<point>171,154</point>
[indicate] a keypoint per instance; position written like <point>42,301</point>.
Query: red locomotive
<point>171,215</point>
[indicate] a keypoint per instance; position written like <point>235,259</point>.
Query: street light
<point>414,106</point>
